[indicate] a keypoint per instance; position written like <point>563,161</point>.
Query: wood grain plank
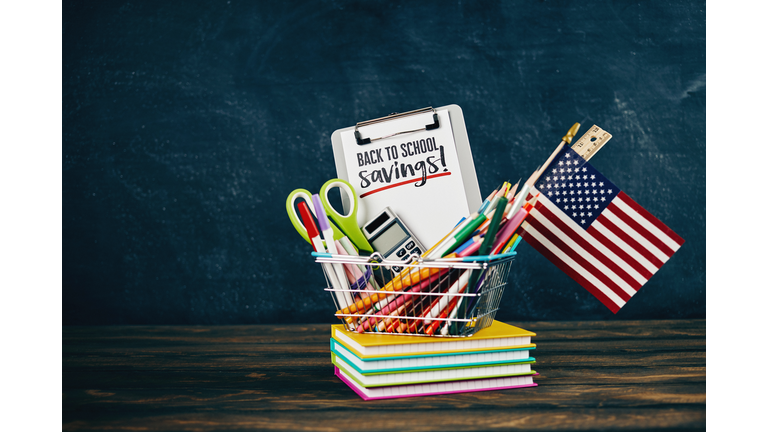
<point>422,419</point>
<point>636,375</point>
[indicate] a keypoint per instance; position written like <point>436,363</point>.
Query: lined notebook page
<point>431,362</point>
<point>427,347</point>
<point>435,388</point>
<point>431,376</point>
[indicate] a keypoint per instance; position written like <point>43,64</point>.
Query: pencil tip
<point>533,177</point>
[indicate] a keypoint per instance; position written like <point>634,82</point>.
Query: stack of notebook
<point>381,366</point>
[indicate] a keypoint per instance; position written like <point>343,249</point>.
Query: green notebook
<point>498,336</point>
<point>425,362</point>
<point>435,376</point>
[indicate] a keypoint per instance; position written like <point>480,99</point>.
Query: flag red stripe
<point>630,241</point>
<point>632,223</point>
<point>587,245</point>
<point>650,218</point>
<point>569,271</point>
<point>621,253</point>
<point>581,260</point>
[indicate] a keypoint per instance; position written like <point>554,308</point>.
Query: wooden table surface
<point>613,375</point>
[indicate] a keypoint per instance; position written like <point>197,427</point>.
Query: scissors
<point>347,223</point>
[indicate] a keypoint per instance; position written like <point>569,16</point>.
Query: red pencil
<point>432,327</point>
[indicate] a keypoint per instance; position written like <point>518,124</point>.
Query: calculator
<point>391,238</point>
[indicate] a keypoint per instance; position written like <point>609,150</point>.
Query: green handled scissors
<point>346,222</point>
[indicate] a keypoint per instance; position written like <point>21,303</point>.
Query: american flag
<point>594,232</point>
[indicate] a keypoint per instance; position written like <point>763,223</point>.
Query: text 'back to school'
<point>427,164</point>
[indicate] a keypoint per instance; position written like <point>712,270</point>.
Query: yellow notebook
<point>497,336</point>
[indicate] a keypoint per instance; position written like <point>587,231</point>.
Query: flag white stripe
<point>594,242</point>
<point>623,246</point>
<point>574,265</point>
<point>653,229</point>
<point>619,281</point>
<point>621,225</point>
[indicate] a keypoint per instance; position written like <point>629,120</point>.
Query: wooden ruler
<point>591,142</point>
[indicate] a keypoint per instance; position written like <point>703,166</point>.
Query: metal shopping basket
<point>448,297</point>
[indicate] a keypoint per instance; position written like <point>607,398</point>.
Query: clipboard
<point>457,187</point>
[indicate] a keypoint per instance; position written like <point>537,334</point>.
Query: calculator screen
<point>389,238</point>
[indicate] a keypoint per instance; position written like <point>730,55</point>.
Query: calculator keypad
<point>404,252</point>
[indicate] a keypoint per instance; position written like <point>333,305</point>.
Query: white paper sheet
<point>392,172</point>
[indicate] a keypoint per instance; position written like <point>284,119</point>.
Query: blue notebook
<point>426,362</point>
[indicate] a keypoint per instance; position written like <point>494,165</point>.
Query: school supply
<point>407,299</point>
<point>391,237</point>
<point>385,366</point>
<point>382,379</point>
<point>437,361</point>
<point>485,246</point>
<point>497,336</point>
<point>594,232</point>
<point>349,248</point>
<point>434,389</point>
<point>311,229</point>
<point>347,221</point>
<point>342,293</point>
<point>317,243</point>
<point>418,163</point>
<point>512,244</point>
<point>469,243</point>
<point>510,228</point>
<point>495,200</point>
<point>487,201</point>
<point>394,310</point>
<point>343,224</point>
<point>511,194</point>
<point>592,141</point>
<point>457,239</point>
<point>409,317</point>
<point>290,206</point>
<point>431,252</point>
<point>493,227</point>
<point>357,278</point>
<point>521,196</point>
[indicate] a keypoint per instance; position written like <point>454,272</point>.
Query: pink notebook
<point>431,389</point>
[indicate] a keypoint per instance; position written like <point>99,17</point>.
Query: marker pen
<point>512,244</point>
<point>317,244</point>
<point>325,228</point>
<point>509,228</point>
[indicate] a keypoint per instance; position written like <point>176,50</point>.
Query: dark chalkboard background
<point>185,126</point>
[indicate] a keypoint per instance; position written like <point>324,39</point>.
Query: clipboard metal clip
<point>361,141</point>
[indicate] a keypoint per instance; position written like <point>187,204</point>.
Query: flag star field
<point>594,232</point>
